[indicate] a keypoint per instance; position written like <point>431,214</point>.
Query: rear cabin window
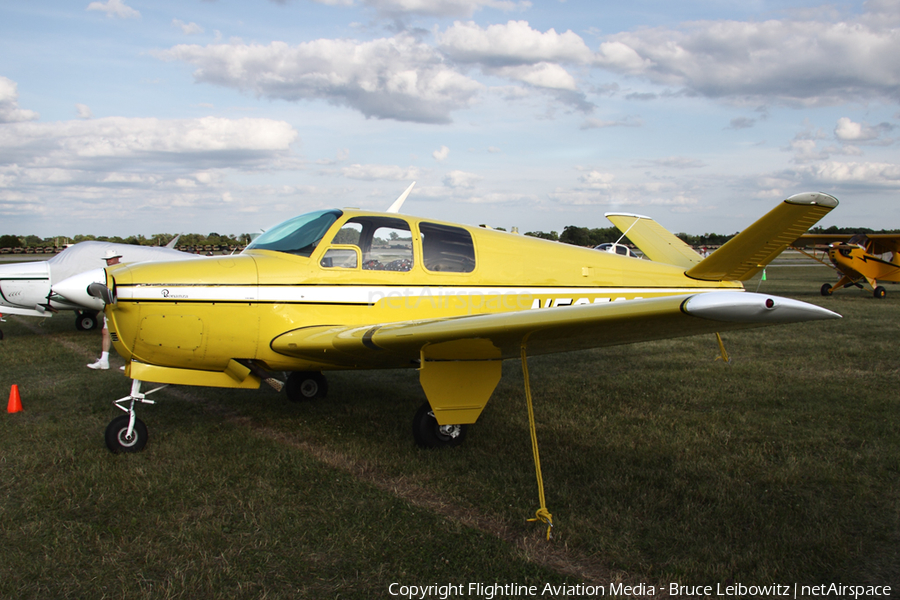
<point>385,244</point>
<point>447,249</point>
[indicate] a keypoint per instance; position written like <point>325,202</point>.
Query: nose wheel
<point>126,433</point>
<point>123,435</point>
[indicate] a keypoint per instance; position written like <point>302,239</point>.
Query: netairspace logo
<point>490,591</point>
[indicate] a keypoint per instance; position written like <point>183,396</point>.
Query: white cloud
<point>800,62</point>
<point>9,104</point>
<point>437,8</point>
<point>461,179</point>
<point>514,43</point>
<point>82,172</point>
<point>390,78</point>
<point>441,154</point>
<point>115,8</point>
<point>852,175</point>
<point>542,75</point>
<point>597,180</point>
<point>592,123</point>
<point>84,111</point>
<point>847,130</point>
<point>122,150</point>
<point>380,172</point>
<point>187,28</point>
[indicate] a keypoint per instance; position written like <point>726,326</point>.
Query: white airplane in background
<point>25,287</point>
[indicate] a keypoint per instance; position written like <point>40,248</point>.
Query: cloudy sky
<point>121,117</point>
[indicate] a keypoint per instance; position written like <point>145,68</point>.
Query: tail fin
<point>744,255</point>
<point>657,243</point>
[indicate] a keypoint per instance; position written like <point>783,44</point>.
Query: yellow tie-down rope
<point>542,514</point>
<point>724,355</point>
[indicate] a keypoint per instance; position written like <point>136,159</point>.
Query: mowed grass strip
<point>660,463</point>
<point>211,509</point>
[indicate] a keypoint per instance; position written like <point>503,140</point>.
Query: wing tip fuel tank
<point>750,307</point>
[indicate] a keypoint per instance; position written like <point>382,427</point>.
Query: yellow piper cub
<point>351,289</point>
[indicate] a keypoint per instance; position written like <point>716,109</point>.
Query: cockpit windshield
<point>860,239</point>
<point>299,235</point>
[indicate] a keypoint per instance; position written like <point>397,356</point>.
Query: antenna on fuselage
<point>395,207</point>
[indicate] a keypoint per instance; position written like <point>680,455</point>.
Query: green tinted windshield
<point>299,235</point>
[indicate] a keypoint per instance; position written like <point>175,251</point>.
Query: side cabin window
<point>383,243</point>
<point>447,249</point>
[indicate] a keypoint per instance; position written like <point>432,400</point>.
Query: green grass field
<point>661,464</point>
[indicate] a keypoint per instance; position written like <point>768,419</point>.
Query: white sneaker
<point>99,364</point>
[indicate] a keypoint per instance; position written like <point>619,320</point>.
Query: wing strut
<point>542,514</point>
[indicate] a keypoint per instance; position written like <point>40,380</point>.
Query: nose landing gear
<point>127,433</point>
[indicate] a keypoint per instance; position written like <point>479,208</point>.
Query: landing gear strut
<point>127,433</point>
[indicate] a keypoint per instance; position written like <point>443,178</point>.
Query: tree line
<point>159,239</point>
<point>585,236</point>
<point>571,234</point>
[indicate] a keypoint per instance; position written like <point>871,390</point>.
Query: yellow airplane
<point>353,289</point>
<point>860,257</point>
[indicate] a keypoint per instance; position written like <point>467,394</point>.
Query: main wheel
<point>85,321</point>
<point>118,440</point>
<point>429,434</point>
<point>880,292</point>
<point>827,289</point>
<point>306,385</point>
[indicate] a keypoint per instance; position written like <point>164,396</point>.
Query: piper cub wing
<point>869,257</point>
<point>350,289</point>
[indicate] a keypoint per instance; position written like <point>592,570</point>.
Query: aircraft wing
<point>654,240</point>
<point>818,239</point>
<point>745,255</point>
<point>498,336</point>
<point>879,243</point>
<point>5,309</point>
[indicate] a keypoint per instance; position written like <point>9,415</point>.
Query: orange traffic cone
<point>15,402</point>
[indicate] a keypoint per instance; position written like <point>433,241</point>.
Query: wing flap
<point>654,240</point>
<point>745,255</point>
<point>494,336</point>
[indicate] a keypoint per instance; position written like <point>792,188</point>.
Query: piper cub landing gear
<point>127,433</point>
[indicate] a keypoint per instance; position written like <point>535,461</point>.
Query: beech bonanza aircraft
<point>25,286</point>
<point>857,258</point>
<point>352,289</point>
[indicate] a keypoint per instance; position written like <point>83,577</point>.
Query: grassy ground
<point>660,464</point>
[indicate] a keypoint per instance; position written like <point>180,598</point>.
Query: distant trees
<point>10,241</point>
<point>580,236</point>
<point>571,234</point>
<point>158,239</point>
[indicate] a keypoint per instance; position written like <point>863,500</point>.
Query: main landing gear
<point>429,434</point>
<point>302,386</point>
<point>306,385</point>
<point>127,433</point>
<point>86,320</point>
